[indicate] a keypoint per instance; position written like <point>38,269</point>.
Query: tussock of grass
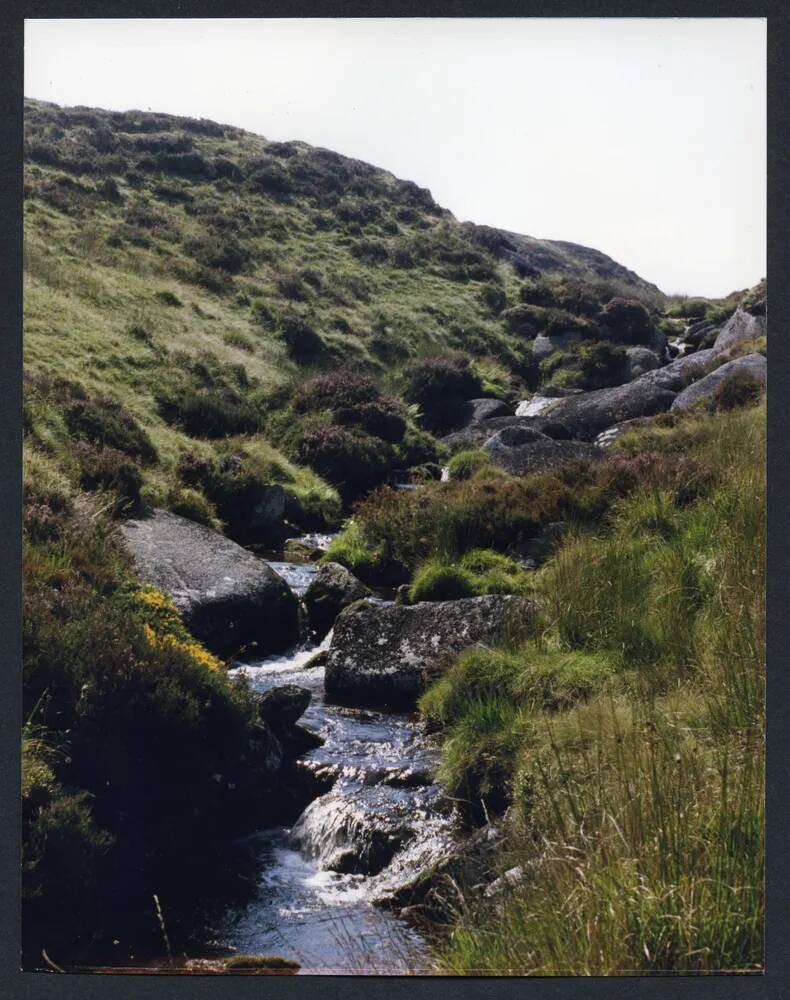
<point>478,572</point>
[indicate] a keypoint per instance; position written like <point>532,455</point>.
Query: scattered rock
<point>384,654</point>
<point>640,360</point>
<point>332,589</point>
<point>696,331</point>
<point>433,869</point>
<point>752,364</point>
<point>477,434</point>
<point>476,410</point>
<point>740,326</point>
<point>588,414</point>
<point>282,706</point>
<point>227,597</point>
<point>298,552</point>
<point>513,876</point>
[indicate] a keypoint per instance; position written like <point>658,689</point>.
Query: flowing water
<point>313,900</point>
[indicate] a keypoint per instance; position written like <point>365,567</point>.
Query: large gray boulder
<point>523,450</point>
<point>679,373</point>
<point>227,597</point>
<point>588,414</point>
<point>476,410</point>
<point>740,326</point>
<point>386,654</point>
<point>331,589</point>
<point>753,365</point>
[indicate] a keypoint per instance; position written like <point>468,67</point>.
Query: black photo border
<point>775,982</point>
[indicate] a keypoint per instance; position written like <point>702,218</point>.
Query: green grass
<point>626,737</point>
<point>478,572</point>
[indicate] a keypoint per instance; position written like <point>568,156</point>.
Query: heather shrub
<point>627,321</point>
<point>107,423</point>
<point>208,398</point>
<point>335,390</point>
<point>304,345</point>
<point>382,419</point>
<point>110,470</point>
<point>740,389</point>
<point>439,386</point>
<point>494,298</point>
<point>352,461</point>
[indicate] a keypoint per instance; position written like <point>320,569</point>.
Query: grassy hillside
<point>627,737</point>
<point>193,273</point>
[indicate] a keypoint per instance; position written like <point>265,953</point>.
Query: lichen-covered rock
<point>227,597</point>
<point>588,414</point>
<point>385,654</point>
<point>679,373</point>
<point>740,326</point>
<point>754,365</point>
<point>332,589</point>
<point>524,450</point>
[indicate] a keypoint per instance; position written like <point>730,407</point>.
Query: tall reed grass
<point>636,813</point>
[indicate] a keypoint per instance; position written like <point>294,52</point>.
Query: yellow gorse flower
<point>167,630</point>
<point>192,649</point>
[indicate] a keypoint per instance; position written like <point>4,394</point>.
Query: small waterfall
<point>445,478</point>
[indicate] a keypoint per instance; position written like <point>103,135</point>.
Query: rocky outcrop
<point>227,597</point>
<point>588,414</point>
<point>332,589</point>
<point>523,450</point>
<point>385,654</point>
<point>740,326</point>
<point>753,365</point>
<point>476,410</point>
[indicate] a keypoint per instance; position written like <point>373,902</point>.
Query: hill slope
<point>152,241</point>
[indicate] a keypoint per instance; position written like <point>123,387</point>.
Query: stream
<point>311,902</point>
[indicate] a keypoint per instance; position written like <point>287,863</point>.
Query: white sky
<point>643,138</point>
